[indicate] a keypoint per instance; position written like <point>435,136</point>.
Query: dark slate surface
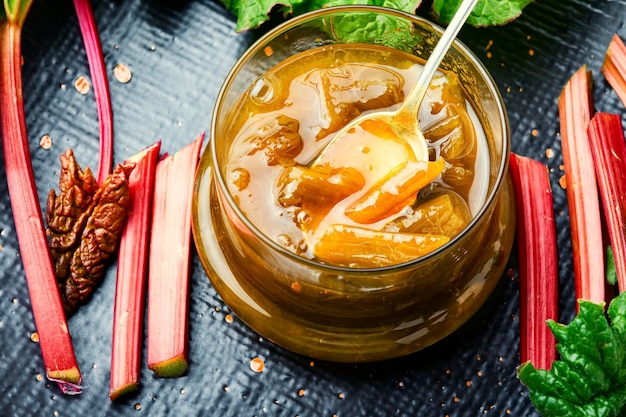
<point>179,52</point>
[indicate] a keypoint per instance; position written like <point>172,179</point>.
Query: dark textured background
<point>179,52</point>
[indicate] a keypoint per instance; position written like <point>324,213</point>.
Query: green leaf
<point>589,336</point>
<point>379,29</point>
<point>546,392</point>
<point>581,391</point>
<point>486,12</point>
<point>589,380</point>
<point>252,13</point>
<point>611,272</point>
<point>617,315</point>
<point>408,6</point>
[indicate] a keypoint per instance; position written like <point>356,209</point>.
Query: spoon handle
<point>435,58</point>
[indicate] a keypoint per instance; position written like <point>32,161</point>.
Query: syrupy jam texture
<point>365,201</point>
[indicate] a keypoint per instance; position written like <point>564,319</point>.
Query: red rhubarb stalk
<point>606,138</point>
<point>614,67</point>
<point>97,69</point>
<point>537,253</point>
<point>54,336</point>
<point>168,279</point>
<point>575,110</point>
<point>132,272</point>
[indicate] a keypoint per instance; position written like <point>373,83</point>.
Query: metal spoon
<point>404,120</point>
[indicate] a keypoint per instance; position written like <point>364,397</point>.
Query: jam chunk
<point>364,248</point>
<point>348,90</point>
<point>452,133</point>
<point>395,191</point>
<point>324,185</point>
<point>277,138</point>
<point>446,214</point>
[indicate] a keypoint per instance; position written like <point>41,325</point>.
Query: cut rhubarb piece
<point>395,191</point>
<point>575,110</point>
<point>364,248</point>
<point>537,256</point>
<point>614,67</point>
<point>609,153</point>
<point>97,69</point>
<point>132,273</point>
<point>50,321</point>
<point>168,279</point>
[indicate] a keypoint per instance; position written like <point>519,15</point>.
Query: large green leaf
<point>589,379</point>
<point>485,13</point>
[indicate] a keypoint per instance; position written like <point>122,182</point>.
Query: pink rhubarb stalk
<point>536,245</point>
<point>132,272</point>
<point>614,67</point>
<point>168,279</point>
<point>54,336</point>
<point>606,138</point>
<point>575,110</point>
<point>97,69</point>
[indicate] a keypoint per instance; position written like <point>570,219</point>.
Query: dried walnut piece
<point>85,223</point>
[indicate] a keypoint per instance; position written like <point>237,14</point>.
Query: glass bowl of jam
<point>354,250</point>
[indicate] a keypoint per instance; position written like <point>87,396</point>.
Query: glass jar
<point>337,313</point>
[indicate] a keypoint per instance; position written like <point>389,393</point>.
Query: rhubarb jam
<point>363,199</point>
